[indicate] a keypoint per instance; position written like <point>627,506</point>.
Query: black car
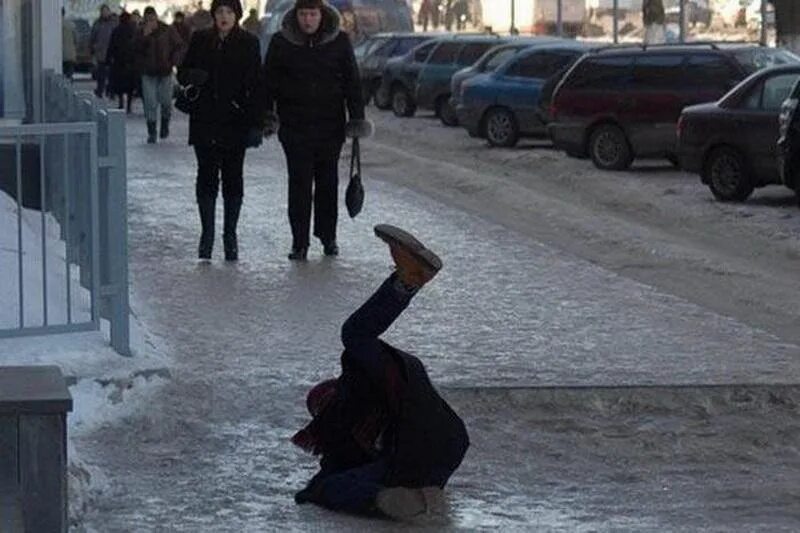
<point>373,53</point>
<point>732,143</point>
<point>789,141</point>
<point>400,76</point>
<point>622,103</point>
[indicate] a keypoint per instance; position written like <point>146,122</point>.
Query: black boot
<point>298,253</point>
<point>232,208</point>
<point>206,206</point>
<point>151,132</point>
<point>330,248</point>
<point>164,127</point>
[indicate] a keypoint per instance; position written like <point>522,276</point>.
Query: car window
<point>711,71</point>
<point>384,49</point>
<point>539,65</point>
<point>471,52</point>
<point>760,58</point>
<point>753,99</point>
<point>502,55</point>
<point>422,52</point>
<point>600,73</point>
<point>405,45</point>
<point>776,90</point>
<point>662,71</point>
<point>445,54</point>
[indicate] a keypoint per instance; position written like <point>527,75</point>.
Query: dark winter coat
<point>312,79</point>
<point>428,436</point>
<point>228,106</point>
<point>121,58</point>
<point>159,51</point>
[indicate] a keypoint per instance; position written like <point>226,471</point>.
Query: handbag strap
<point>355,159</point>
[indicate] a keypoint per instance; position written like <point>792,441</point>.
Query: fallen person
<point>388,442</point>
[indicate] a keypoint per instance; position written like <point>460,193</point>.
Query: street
<point>588,326</point>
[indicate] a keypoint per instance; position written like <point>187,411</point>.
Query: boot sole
<point>394,235</point>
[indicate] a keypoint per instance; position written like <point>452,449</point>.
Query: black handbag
<point>187,99</point>
<point>354,195</point>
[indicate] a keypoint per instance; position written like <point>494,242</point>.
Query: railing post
<point>116,247</point>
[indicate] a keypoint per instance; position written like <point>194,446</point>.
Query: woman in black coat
<point>224,119</point>
<point>121,59</point>
<point>312,78</point>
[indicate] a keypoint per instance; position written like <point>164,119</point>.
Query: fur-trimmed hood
<point>329,28</point>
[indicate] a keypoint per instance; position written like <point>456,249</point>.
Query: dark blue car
<point>504,105</point>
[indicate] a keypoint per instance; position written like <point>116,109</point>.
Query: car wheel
<point>380,99</point>
<point>501,128</point>
<point>609,148</point>
<point>728,176</point>
<point>446,113</point>
<point>402,105</point>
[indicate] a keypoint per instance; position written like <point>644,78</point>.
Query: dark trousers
<point>313,179</point>
<point>213,163</point>
<point>354,490</point>
<point>101,74</point>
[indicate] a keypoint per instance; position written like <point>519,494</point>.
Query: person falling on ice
<point>388,442</point>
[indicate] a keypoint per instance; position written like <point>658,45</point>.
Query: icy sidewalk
<point>210,451</point>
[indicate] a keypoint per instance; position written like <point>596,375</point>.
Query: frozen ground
<point>547,305</point>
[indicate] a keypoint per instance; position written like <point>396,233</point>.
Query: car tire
<point>728,175</point>
<point>609,148</point>
<point>501,127</point>
<point>381,101</point>
<point>445,112</point>
<point>402,103</point>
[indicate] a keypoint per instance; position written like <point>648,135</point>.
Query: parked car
<point>622,103</point>
<point>400,76</point>
<point>503,105</point>
<point>432,90</point>
<point>488,62</point>
<point>732,143</point>
<point>373,53</point>
<point>360,18</point>
<point>788,145</point>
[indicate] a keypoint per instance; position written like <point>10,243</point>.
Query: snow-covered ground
<point>103,384</point>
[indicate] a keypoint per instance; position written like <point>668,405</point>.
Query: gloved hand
<point>253,138</point>
<point>271,124</point>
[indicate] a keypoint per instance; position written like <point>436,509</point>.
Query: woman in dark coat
<point>121,60</point>
<point>225,119</point>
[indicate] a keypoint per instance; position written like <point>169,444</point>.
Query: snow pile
<point>104,385</point>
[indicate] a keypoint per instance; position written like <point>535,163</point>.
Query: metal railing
<point>76,159</point>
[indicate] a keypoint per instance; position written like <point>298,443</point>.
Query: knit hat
<point>235,5</point>
<point>308,4</point>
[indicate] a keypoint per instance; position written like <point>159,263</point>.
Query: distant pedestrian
<point>252,24</point>
<point>311,74</point>
<point>99,39</point>
<point>136,17</point>
<point>388,443</point>
<point>159,49</point>
<point>68,46</point>
<point>182,27</point>
<point>226,118</point>
<point>121,60</point>
<point>424,15</point>
<point>201,19</point>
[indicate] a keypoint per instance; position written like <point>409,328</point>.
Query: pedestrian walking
<point>99,38</point>
<point>121,60</point>
<point>311,74</point>
<point>201,19</point>
<point>251,23</point>
<point>388,443</point>
<point>69,53</point>
<point>424,14</point>
<point>159,49</point>
<point>182,27</point>
<point>225,118</point>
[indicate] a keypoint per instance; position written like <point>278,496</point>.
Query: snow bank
<point>104,385</point>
